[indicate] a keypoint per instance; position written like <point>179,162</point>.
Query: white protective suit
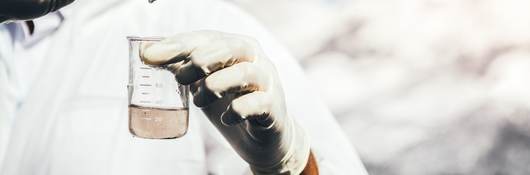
<point>63,104</point>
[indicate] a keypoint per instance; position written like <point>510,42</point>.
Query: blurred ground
<point>420,86</point>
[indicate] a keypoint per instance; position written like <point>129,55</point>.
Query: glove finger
<point>176,48</point>
<point>255,106</point>
<point>224,52</point>
<point>203,97</point>
<point>194,87</point>
<point>185,73</point>
<point>206,51</point>
<point>212,57</point>
<point>238,79</point>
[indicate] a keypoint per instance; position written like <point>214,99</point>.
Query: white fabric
<point>73,119</point>
<point>7,91</point>
<point>18,68</point>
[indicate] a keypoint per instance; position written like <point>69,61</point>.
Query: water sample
<point>156,123</point>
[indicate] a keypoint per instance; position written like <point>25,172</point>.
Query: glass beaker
<point>158,105</point>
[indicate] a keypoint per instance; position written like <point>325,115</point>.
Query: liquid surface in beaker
<point>157,123</point>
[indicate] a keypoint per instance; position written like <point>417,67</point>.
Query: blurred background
<point>419,86</point>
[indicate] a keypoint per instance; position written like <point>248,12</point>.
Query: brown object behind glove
<point>311,167</point>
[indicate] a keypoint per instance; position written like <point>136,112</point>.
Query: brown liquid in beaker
<point>157,123</point>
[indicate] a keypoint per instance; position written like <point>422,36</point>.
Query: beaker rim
<point>142,38</point>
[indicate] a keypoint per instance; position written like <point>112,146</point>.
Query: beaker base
<point>157,123</point>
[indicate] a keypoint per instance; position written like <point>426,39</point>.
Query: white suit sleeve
<point>334,153</point>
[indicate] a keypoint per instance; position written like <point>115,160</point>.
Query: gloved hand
<point>238,89</point>
<point>29,9</point>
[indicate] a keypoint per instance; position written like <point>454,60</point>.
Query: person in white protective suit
<point>63,96</point>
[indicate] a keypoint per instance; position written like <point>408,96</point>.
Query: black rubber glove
<point>28,9</point>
